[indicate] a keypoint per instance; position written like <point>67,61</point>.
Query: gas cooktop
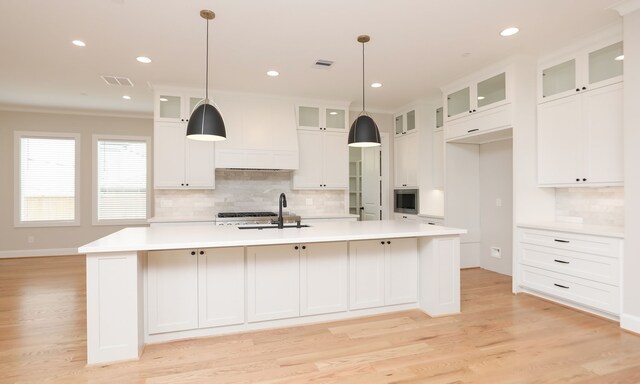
<point>245,214</point>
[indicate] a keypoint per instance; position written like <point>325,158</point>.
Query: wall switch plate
<point>496,252</point>
<point>498,202</point>
<point>309,201</point>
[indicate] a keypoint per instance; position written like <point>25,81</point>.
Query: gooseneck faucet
<point>282,203</point>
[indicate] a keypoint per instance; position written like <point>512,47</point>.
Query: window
<point>46,179</point>
<point>120,180</point>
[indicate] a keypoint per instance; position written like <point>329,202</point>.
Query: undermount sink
<point>273,226</point>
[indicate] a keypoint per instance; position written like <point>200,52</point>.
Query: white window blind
<point>47,179</point>
<point>121,179</point>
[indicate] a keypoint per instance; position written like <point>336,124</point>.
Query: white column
<point>630,317</point>
<point>439,275</point>
<point>115,327</point>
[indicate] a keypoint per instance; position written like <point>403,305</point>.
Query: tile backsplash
<point>246,191</point>
<point>595,206</point>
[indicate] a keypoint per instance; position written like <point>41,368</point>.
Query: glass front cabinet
<point>589,69</point>
<point>175,107</point>
<point>314,117</point>
<point>484,93</point>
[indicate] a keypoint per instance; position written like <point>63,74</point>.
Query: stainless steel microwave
<point>405,201</point>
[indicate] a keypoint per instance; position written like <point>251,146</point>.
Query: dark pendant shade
<point>206,124</point>
<point>364,132</point>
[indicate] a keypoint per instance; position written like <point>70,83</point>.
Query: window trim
<point>94,182</point>
<point>17,186</point>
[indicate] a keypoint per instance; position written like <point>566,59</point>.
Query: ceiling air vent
<point>323,64</point>
<point>117,80</point>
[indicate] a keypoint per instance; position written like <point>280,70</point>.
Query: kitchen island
<point>147,285</point>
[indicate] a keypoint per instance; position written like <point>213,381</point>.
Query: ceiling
<point>416,46</point>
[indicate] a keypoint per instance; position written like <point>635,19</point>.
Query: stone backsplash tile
<point>596,206</point>
<point>246,191</point>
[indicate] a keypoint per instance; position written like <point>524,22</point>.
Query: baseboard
<point>630,323</point>
<point>38,253</point>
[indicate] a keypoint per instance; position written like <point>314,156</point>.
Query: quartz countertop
<point>585,229</point>
<point>208,235</point>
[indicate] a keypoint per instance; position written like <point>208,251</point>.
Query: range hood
<point>261,132</point>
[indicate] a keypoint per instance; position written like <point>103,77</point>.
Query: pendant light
<point>206,123</point>
<point>364,131</point>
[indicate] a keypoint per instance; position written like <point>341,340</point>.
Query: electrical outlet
<point>496,252</point>
<point>309,201</point>
<point>31,239</point>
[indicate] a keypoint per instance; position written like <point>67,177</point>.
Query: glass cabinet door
<point>193,102</point>
<point>605,63</point>
<point>458,102</point>
<point>170,107</point>
<point>309,117</point>
<point>411,121</point>
<point>559,78</point>
<point>439,118</point>
<point>399,124</point>
<point>492,90</point>
<point>334,118</point>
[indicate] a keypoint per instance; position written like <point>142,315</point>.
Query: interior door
<point>371,183</point>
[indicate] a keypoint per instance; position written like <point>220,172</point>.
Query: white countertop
<point>599,230</point>
<point>431,216</point>
<point>329,216</point>
<point>209,235</point>
<point>181,220</point>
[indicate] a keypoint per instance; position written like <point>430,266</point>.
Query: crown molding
<point>626,6</point>
<point>77,112</point>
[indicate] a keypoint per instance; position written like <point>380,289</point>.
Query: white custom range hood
<point>261,132</point>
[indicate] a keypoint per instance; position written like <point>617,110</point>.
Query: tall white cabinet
<point>580,118</point>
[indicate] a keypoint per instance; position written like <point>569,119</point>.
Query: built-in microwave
<point>405,201</point>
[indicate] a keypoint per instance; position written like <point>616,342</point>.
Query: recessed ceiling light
<point>509,31</point>
<point>273,73</point>
<point>78,43</point>
<point>126,97</point>
<point>376,85</point>
<point>164,99</point>
<point>143,59</point>
<point>619,58</point>
<point>480,97</point>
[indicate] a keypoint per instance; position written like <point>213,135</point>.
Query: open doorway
<point>368,180</point>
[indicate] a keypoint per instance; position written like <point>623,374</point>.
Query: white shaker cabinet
<point>221,286</point>
<point>383,272</point>
<point>273,274</point>
<point>323,118</point>
<point>580,139</point>
<point>181,163</point>
<point>175,106</point>
<point>437,159</point>
<point>323,278</point>
<point>172,282</point>
<point>324,160</point>
<point>405,153</point>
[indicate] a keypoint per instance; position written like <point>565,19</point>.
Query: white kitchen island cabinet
<point>154,284</point>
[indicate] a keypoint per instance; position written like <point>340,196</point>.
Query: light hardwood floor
<point>498,338</point>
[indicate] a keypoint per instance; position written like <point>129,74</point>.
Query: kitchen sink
<point>273,226</point>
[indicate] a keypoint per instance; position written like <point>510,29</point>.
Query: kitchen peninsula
<point>154,284</point>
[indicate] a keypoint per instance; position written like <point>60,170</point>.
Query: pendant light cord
<point>363,78</point>
<point>206,91</point>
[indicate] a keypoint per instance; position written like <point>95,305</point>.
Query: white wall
<point>496,222</point>
<point>631,289</point>
<point>13,241</point>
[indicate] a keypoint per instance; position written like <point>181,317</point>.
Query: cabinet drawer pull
<point>193,253</point>
<point>473,130</point>
<point>561,261</point>
<point>561,241</point>
<point>561,286</point>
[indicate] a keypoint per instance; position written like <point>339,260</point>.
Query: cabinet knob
<point>470,111</point>
<point>187,184</point>
<point>382,242</point>
<point>577,179</point>
<point>193,253</point>
<point>474,110</point>
<point>304,247</point>
<point>584,179</point>
<point>181,119</point>
<point>296,247</point>
<point>202,252</point>
<point>182,184</point>
<point>388,242</point>
<point>584,88</point>
<point>577,89</point>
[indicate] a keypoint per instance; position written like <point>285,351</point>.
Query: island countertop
<point>212,236</point>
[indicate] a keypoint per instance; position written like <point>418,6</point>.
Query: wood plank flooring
<point>498,338</point>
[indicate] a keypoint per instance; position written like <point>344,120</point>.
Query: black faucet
<point>282,203</point>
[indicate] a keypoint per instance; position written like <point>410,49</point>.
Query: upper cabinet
<point>592,68</point>
<point>323,118</point>
<point>175,106</point>
<point>405,122</point>
<point>480,94</point>
<point>324,161</point>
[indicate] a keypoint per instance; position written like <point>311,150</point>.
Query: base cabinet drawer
<point>590,293</point>
<point>584,265</point>
<point>597,245</point>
